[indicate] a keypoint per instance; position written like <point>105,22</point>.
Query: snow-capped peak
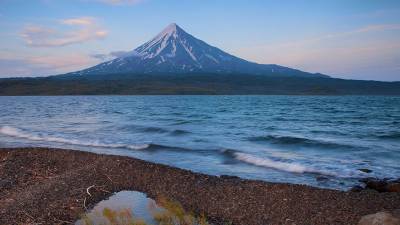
<point>167,38</point>
<point>175,51</point>
<point>170,29</point>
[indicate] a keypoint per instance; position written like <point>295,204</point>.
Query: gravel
<point>49,186</point>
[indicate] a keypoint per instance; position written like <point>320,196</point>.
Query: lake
<point>323,141</point>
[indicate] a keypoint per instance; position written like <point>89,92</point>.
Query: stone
<point>380,218</point>
<point>382,185</point>
<point>6,184</point>
<point>356,188</point>
<point>365,170</point>
<point>393,187</point>
<point>321,178</point>
<point>376,184</point>
<point>229,177</point>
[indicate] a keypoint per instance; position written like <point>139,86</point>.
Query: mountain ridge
<point>189,66</point>
<point>174,50</point>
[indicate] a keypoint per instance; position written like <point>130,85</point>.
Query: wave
<point>290,140</point>
<point>18,133</point>
<point>291,167</point>
<point>393,135</point>
<point>265,162</point>
<point>179,132</point>
<point>230,154</point>
<point>140,128</point>
<point>163,131</point>
<point>155,130</point>
<point>181,122</point>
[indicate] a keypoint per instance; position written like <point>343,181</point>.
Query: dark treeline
<point>202,84</point>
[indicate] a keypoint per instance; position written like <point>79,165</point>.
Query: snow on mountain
<point>175,51</point>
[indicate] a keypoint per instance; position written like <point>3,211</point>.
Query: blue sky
<point>355,39</point>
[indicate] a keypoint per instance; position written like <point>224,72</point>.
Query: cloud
<point>121,2</point>
<point>82,21</point>
<point>365,29</point>
<point>378,13</point>
<point>327,37</point>
<point>368,52</point>
<point>110,56</point>
<point>119,53</point>
<point>378,27</point>
<point>43,65</point>
<point>83,29</point>
<point>64,63</point>
<point>102,57</point>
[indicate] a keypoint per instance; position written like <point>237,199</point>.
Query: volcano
<point>174,51</point>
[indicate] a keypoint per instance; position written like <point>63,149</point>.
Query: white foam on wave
<point>18,133</point>
<point>265,162</point>
<point>291,167</point>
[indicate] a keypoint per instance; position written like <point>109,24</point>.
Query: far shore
<point>49,186</point>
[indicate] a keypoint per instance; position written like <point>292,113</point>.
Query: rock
<point>393,187</point>
<point>229,177</point>
<point>321,178</point>
<point>363,180</point>
<point>375,184</point>
<point>6,183</point>
<point>289,222</point>
<point>356,188</point>
<point>396,181</point>
<point>380,218</point>
<point>378,185</point>
<point>365,170</point>
<point>384,185</point>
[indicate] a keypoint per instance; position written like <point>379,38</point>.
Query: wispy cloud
<point>378,13</point>
<point>365,29</point>
<point>83,29</point>
<point>102,57</point>
<point>43,65</point>
<point>364,52</point>
<point>109,56</point>
<point>120,2</point>
<point>82,21</point>
<point>361,30</point>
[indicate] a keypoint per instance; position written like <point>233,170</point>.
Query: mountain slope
<point>175,51</point>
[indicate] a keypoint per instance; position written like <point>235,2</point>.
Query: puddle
<point>131,204</point>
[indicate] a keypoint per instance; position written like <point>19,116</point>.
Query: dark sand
<point>48,186</point>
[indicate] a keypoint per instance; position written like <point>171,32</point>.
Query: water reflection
<point>130,205</point>
<point>134,208</point>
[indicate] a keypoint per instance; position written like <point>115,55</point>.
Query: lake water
<point>314,140</point>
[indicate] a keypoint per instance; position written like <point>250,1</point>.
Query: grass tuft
<point>172,213</point>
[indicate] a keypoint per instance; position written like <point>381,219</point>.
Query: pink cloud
<point>83,21</point>
<point>86,30</point>
<point>65,63</point>
<point>44,65</point>
<point>121,2</point>
<point>354,53</point>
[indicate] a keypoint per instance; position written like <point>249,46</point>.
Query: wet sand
<point>49,186</point>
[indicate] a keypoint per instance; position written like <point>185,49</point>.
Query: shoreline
<point>47,185</point>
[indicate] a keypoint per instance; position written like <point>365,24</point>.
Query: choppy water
<point>320,141</point>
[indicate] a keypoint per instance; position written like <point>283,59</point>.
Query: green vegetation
<point>111,217</point>
<point>171,214</point>
<point>185,84</point>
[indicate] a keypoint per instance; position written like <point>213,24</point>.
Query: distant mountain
<point>174,51</point>
<point>176,63</point>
